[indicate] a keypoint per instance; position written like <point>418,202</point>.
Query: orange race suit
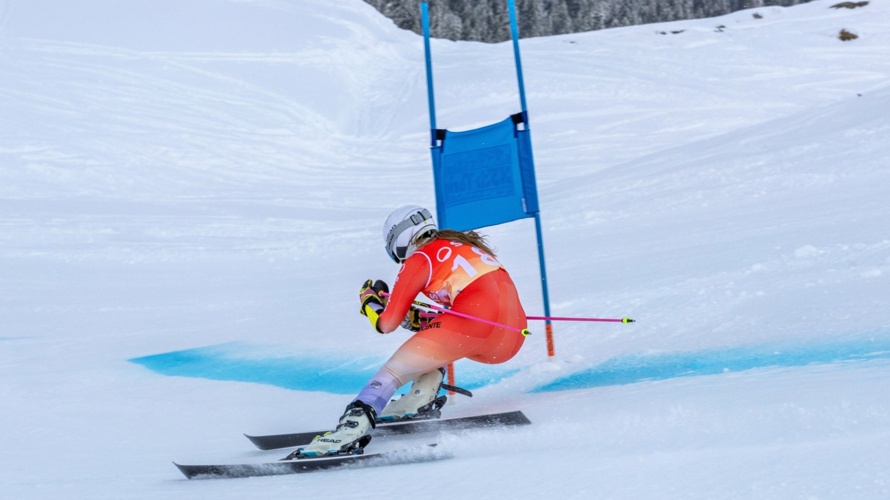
<point>467,280</point>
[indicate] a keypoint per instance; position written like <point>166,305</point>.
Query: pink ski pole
<point>558,318</point>
<point>523,331</point>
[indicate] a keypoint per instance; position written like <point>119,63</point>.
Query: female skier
<point>455,269</point>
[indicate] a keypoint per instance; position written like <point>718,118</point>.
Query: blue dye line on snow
<point>240,362</point>
<point>215,363</point>
<point>639,368</point>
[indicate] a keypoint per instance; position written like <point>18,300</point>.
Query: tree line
<point>487,20</point>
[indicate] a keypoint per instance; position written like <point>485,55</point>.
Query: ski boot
<point>421,402</point>
<point>349,438</point>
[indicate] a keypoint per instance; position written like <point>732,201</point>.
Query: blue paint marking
<point>246,363</point>
<point>639,368</point>
<point>223,363</point>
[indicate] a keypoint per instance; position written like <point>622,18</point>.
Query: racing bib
<point>454,266</point>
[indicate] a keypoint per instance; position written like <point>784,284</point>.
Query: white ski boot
<point>349,438</point>
<point>420,402</point>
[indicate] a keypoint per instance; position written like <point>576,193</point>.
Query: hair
<point>466,237</point>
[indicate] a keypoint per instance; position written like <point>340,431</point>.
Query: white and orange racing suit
<point>467,280</point>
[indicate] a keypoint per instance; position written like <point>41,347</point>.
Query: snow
<point>209,178</point>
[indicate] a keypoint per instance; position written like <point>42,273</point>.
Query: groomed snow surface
<point>212,175</point>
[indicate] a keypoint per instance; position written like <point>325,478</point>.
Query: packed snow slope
<point>206,181</point>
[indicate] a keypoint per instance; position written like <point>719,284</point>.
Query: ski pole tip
<point>627,320</point>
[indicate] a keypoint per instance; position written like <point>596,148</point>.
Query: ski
<point>426,453</point>
<point>276,441</point>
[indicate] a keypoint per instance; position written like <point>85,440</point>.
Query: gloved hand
<point>373,301</point>
<point>370,294</point>
<point>418,319</point>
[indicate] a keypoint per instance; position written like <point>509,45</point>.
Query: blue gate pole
<point>434,141</point>
<point>514,33</point>
<point>548,325</point>
<point>425,20</point>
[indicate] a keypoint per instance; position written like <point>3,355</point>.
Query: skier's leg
<point>419,358</point>
<point>422,399</point>
<point>414,358</point>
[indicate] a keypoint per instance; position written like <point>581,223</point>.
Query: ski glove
<point>418,319</point>
<point>373,300</point>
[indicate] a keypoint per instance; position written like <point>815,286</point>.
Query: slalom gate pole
<point>558,318</point>
<point>523,331</point>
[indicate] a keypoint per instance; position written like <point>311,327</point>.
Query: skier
<point>456,270</point>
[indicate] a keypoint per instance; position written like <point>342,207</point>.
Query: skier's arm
<point>412,279</point>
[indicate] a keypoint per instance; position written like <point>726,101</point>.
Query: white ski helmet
<point>403,228</point>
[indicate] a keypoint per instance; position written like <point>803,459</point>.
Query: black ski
<point>276,441</point>
<point>302,465</point>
